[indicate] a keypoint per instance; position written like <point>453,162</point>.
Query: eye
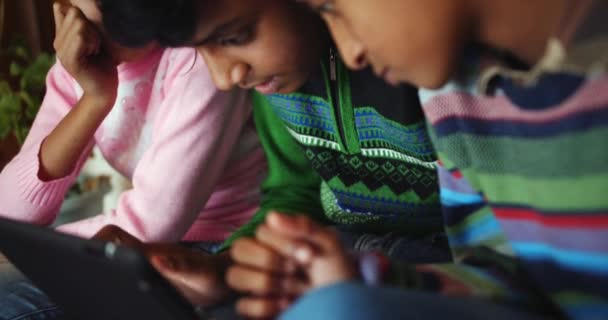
<point>327,7</point>
<point>235,40</point>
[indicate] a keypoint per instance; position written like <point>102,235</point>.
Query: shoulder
<point>180,61</point>
<point>181,67</point>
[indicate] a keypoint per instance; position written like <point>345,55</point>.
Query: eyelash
<point>235,40</point>
<point>326,8</point>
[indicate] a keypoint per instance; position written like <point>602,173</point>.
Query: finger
<point>70,15</point>
<point>117,235</point>
<point>91,40</point>
<point>89,31</point>
<point>181,272</point>
<point>82,30</point>
<point>290,247</point>
<point>58,14</point>
<point>263,283</point>
<point>171,259</point>
<point>252,253</point>
<point>303,227</point>
<point>80,47</point>
<point>65,39</point>
<point>198,285</point>
<point>127,239</point>
<point>261,307</point>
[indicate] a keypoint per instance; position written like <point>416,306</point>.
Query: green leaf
<point>15,69</point>
<point>24,82</point>
<point>5,88</point>
<point>19,108</point>
<point>10,104</point>
<point>21,134</point>
<point>21,52</point>
<point>5,127</point>
<point>26,98</point>
<point>34,75</point>
<point>32,110</point>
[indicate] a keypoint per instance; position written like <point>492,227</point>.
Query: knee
<point>340,301</point>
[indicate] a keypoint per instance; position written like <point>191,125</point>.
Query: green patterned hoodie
<point>369,144</point>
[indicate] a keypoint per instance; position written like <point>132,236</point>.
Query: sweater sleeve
<point>485,267</point>
<point>23,195</point>
<point>485,275</point>
<point>292,186</point>
<point>195,131</point>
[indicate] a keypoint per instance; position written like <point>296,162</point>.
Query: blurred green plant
<point>22,91</point>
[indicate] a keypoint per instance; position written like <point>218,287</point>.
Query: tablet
<point>91,279</point>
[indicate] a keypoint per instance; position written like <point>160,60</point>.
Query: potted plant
<point>21,94</point>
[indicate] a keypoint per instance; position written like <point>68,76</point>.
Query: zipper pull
<point>332,65</point>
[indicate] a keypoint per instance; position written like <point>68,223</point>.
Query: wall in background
<point>31,18</point>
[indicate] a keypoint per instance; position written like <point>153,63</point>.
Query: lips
<point>269,86</point>
<point>389,76</point>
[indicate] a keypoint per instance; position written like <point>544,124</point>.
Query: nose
<point>352,50</point>
<point>226,72</point>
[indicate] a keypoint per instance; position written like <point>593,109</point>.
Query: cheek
<point>279,53</point>
<point>413,45</point>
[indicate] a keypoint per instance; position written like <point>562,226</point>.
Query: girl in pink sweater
<point>190,150</point>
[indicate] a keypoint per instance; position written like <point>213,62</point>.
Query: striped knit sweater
<point>524,178</point>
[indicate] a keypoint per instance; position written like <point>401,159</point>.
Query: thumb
<point>304,228</point>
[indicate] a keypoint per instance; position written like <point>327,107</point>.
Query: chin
<point>291,87</point>
<point>431,80</point>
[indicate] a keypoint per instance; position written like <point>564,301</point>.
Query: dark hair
<point>135,23</point>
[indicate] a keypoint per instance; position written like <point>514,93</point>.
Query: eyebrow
<point>217,31</point>
<point>310,5</point>
<point>305,2</point>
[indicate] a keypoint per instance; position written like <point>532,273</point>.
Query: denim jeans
<point>355,301</point>
<point>21,300</point>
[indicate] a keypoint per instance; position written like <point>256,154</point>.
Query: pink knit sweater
<point>190,150</point>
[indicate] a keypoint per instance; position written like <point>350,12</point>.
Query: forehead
<point>216,15</point>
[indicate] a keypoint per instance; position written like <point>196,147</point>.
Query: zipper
<point>335,96</point>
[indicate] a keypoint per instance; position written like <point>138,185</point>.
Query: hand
<point>289,256</point>
<point>198,277</point>
<point>3,259</point>
<point>78,44</point>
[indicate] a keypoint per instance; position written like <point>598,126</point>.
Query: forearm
<point>485,275</point>
<point>63,148</point>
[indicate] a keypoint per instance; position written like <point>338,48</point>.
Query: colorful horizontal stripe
<point>507,151</point>
<point>499,108</point>
<point>522,129</point>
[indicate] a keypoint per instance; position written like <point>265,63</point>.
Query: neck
<point>522,27</point>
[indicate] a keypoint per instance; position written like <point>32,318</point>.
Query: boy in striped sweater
<point>517,102</point>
